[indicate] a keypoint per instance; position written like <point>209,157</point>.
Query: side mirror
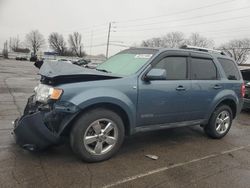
<point>156,74</point>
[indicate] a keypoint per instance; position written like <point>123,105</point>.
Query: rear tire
<point>220,122</point>
<point>97,135</point>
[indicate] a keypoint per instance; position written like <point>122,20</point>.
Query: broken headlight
<point>44,92</point>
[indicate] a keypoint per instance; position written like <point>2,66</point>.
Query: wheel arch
<point>229,102</point>
<point>127,121</point>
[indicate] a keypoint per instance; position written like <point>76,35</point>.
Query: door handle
<point>180,88</point>
<point>217,86</point>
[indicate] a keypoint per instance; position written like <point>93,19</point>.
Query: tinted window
<point>230,69</point>
<point>176,67</point>
<point>203,69</point>
<point>246,74</point>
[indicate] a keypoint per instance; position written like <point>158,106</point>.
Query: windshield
<point>127,62</point>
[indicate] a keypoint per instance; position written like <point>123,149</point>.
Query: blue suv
<point>136,90</point>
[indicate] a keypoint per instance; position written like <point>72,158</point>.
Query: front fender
<point>91,97</point>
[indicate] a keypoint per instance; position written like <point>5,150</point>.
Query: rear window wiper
<point>103,70</point>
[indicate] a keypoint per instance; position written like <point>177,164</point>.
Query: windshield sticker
<point>143,56</point>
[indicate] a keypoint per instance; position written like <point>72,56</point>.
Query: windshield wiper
<point>103,70</point>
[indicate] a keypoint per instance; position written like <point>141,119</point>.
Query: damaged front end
<point>47,116</point>
<point>42,125</point>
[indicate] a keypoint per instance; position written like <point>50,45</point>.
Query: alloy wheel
<point>222,122</point>
<point>101,136</point>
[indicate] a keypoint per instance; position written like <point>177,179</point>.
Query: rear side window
<point>203,69</point>
<point>176,67</point>
<point>246,74</point>
<point>230,69</point>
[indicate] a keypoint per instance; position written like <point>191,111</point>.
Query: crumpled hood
<point>54,72</point>
<point>53,69</point>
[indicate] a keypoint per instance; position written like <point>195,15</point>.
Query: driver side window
<point>176,67</point>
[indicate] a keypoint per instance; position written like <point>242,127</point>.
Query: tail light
<point>243,90</point>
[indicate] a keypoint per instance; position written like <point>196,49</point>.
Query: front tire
<point>97,135</point>
<point>220,122</point>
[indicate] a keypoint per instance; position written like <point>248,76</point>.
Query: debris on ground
<point>154,157</point>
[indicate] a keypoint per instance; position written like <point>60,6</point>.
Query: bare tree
<point>35,40</point>
<point>153,42</point>
<point>75,43</point>
<point>197,40</point>
<point>57,43</point>
<point>239,50</point>
<point>173,40</point>
<point>170,40</point>
<point>14,43</point>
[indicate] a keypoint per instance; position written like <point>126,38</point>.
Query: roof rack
<point>202,49</point>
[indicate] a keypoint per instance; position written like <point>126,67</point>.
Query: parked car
<point>33,58</point>
<point>38,64</point>
<point>81,62</point>
<point>21,58</point>
<point>65,60</point>
<point>137,90</point>
<point>92,65</point>
<point>246,77</point>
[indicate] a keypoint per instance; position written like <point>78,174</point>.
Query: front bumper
<point>41,125</point>
<point>31,133</point>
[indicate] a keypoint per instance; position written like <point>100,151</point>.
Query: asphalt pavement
<point>187,157</point>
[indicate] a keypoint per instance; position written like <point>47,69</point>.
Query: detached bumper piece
<point>32,134</point>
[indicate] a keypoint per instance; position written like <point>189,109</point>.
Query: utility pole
<point>91,42</point>
<point>5,50</point>
<point>107,50</point>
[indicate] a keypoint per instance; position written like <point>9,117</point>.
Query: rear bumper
<point>31,133</point>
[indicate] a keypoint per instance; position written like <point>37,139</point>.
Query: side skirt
<point>168,125</point>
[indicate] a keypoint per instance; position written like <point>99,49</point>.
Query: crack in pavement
<point>44,172</point>
<point>91,177</point>
<point>13,170</point>
<point>12,95</point>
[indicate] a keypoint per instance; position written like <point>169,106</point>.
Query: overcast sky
<point>134,20</point>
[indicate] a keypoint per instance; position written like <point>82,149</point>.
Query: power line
<point>175,13</point>
<point>210,31</point>
<point>89,28</point>
<point>101,34</point>
<point>122,45</point>
<point>187,25</point>
<point>190,18</point>
<point>95,37</point>
<point>227,36</point>
<point>93,28</point>
<point>95,45</point>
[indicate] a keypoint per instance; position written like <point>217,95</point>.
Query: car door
<point>205,86</point>
<point>165,101</point>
